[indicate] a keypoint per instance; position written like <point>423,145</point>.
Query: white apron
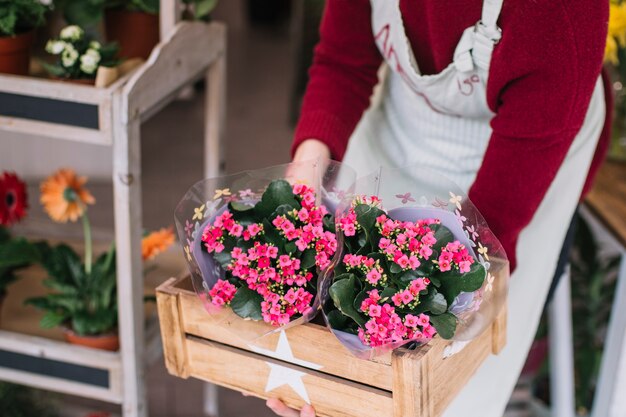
<point>442,123</point>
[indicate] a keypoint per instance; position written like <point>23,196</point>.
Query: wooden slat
<point>112,395</point>
<point>249,372</point>
<point>448,376</point>
<point>498,331</point>
<point>410,383</point>
<point>56,131</point>
<point>172,332</point>
<point>61,351</point>
<point>39,87</point>
<point>309,342</point>
<point>607,199</point>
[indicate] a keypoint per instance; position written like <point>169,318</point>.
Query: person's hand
<point>302,169</point>
<point>282,410</point>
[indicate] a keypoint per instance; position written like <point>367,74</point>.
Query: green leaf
<point>308,259</point>
<point>278,193</point>
<point>453,282</point>
<point>52,319</point>
<point>98,322</point>
<point>394,268</point>
<point>443,236</point>
<point>387,293</point>
<point>223,258</point>
<point>271,235</point>
<point>343,294</point>
<point>359,299</point>
<point>204,8</point>
<point>64,265</point>
<point>337,320</point>
<point>247,304</point>
<point>434,302</point>
<point>18,252</point>
<point>445,325</point>
<point>84,13</point>
<point>291,248</point>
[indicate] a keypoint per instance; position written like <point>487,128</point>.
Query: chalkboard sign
<point>56,369</point>
<point>49,110</point>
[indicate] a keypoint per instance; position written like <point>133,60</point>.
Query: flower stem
<point>88,243</point>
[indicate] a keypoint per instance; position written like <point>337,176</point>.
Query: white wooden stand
<point>188,52</point>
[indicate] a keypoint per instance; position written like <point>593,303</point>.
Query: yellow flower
<point>63,196</point>
<point>610,51</point>
<point>617,32</point>
<point>156,242</point>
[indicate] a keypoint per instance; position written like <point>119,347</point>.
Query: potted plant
<point>15,253</point>
<point>84,297</point>
<point>78,56</point>
<point>133,24</point>
<point>18,19</point>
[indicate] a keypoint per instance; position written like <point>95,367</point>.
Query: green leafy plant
<point>15,253</point>
<point>17,16</point>
<point>87,13</point>
<point>79,55</point>
<point>19,401</point>
<point>86,302</point>
<point>83,293</point>
<point>594,279</point>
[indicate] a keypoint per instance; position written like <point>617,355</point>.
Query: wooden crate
<point>307,363</point>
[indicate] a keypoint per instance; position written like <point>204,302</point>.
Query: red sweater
<point>541,78</point>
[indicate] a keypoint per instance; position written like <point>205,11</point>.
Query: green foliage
<point>15,253</point>
<point>87,13</point>
<point>201,8</point>
<point>85,302</point>
<point>17,16</point>
<point>19,401</point>
<point>247,304</point>
<point>593,290</point>
<point>343,293</point>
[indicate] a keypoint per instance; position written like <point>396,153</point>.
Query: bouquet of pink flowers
<point>271,252</point>
<point>256,243</point>
<point>409,272</point>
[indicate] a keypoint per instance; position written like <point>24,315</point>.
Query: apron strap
<point>491,13</point>
<point>477,43</point>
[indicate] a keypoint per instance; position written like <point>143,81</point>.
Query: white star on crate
<point>283,375</point>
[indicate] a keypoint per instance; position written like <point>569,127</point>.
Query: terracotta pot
<point>15,53</point>
<point>137,33</point>
<point>108,341</point>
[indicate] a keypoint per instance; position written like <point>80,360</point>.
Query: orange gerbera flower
<point>63,196</point>
<point>156,242</point>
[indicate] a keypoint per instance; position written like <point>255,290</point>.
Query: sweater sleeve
<point>540,104</point>
<point>342,77</point>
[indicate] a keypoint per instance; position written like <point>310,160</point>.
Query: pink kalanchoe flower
<point>406,297</point>
<point>373,276</point>
<point>403,261</point>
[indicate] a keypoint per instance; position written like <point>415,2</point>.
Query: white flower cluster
<point>72,33</point>
<point>89,61</point>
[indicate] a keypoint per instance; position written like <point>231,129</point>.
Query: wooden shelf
<point>41,358</point>
<point>112,117</point>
